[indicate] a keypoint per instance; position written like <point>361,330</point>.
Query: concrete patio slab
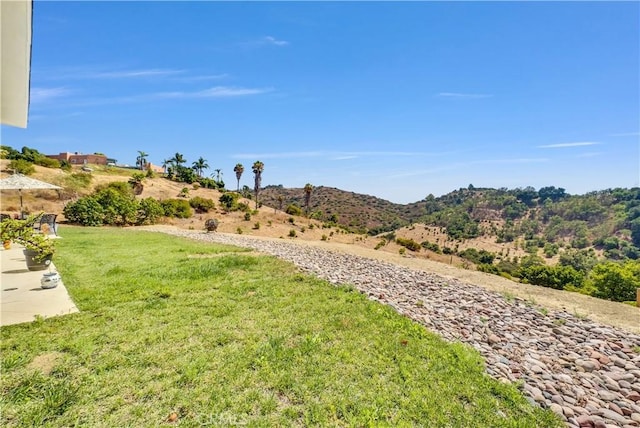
<point>21,296</point>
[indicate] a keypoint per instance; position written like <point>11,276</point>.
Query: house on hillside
<point>80,159</point>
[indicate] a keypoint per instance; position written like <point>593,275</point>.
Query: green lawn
<point>225,337</point>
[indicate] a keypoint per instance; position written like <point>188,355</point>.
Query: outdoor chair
<point>48,219</point>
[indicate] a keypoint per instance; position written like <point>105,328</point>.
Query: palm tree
<point>238,169</point>
<point>218,173</point>
<point>141,160</point>
<point>257,168</point>
<point>166,163</point>
<point>199,165</point>
<point>308,188</point>
<point>178,159</point>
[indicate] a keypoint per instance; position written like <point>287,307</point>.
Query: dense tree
<point>257,169</point>
<point>308,188</point>
<point>616,281</point>
<point>238,169</point>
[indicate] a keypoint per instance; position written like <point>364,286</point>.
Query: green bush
<point>431,247</point>
<point>557,277</point>
<point>119,209</point>
<point>149,211</point>
<point>77,181</point>
<point>119,186</point>
<point>247,216</point>
<point>229,200</point>
<point>616,281</point>
<point>22,166</point>
<point>478,257</point>
<point>47,162</point>
<point>178,208</point>
<point>293,209</point>
<point>292,233</point>
<point>409,244</point>
<point>85,211</point>
<point>202,205</point>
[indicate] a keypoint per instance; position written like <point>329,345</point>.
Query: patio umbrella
<point>21,182</point>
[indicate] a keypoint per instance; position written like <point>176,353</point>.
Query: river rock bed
<point>587,373</point>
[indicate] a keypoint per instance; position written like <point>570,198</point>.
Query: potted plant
<point>39,249</point>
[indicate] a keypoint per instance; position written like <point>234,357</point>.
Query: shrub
<point>616,281</point>
<point>256,226</point>
<point>292,233</point>
<point>47,162</point>
<point>119,186</point>
<point>324,238</point>
<point>239,231</point>
<point>77,181</point>
<point>243,207</point>
<point>229,200</point>
<point>402,251</point>
<point>292,220</point>
<point>557,277</point>
<point>293,209</point>
<point>85,211</point>
<point>184,193</point>
<point>489,268</point>
<point>380,244</point>
<point>431,247</point>
<point>119,209</point>
<point>478,257</point>
<point>247,216</point>
<point>178,208</point>
<point>22,166</point>
<point>202,205</point>
<point>409,244</point>
<point>149,211</point>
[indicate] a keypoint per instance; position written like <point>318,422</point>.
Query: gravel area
<point>586,372</point>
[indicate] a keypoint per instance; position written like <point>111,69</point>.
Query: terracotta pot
<point>6,245</point>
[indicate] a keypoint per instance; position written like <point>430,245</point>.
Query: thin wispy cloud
<point>201,78</point>
<point>564,145</point>
<point>215,92</point>
<point>126,74</point>
<point>96,73</point>
<point>265,41</point>
<point>462,95</point>
<point>346,157</point>
<point>269,40</point>
<point>42,95</point>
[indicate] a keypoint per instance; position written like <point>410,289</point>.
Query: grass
<point>209,335</point>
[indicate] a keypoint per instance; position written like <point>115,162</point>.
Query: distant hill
<point>608,220</point>
<point>358,212</point>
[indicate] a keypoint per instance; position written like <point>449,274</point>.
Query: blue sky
<point>397,100</point>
